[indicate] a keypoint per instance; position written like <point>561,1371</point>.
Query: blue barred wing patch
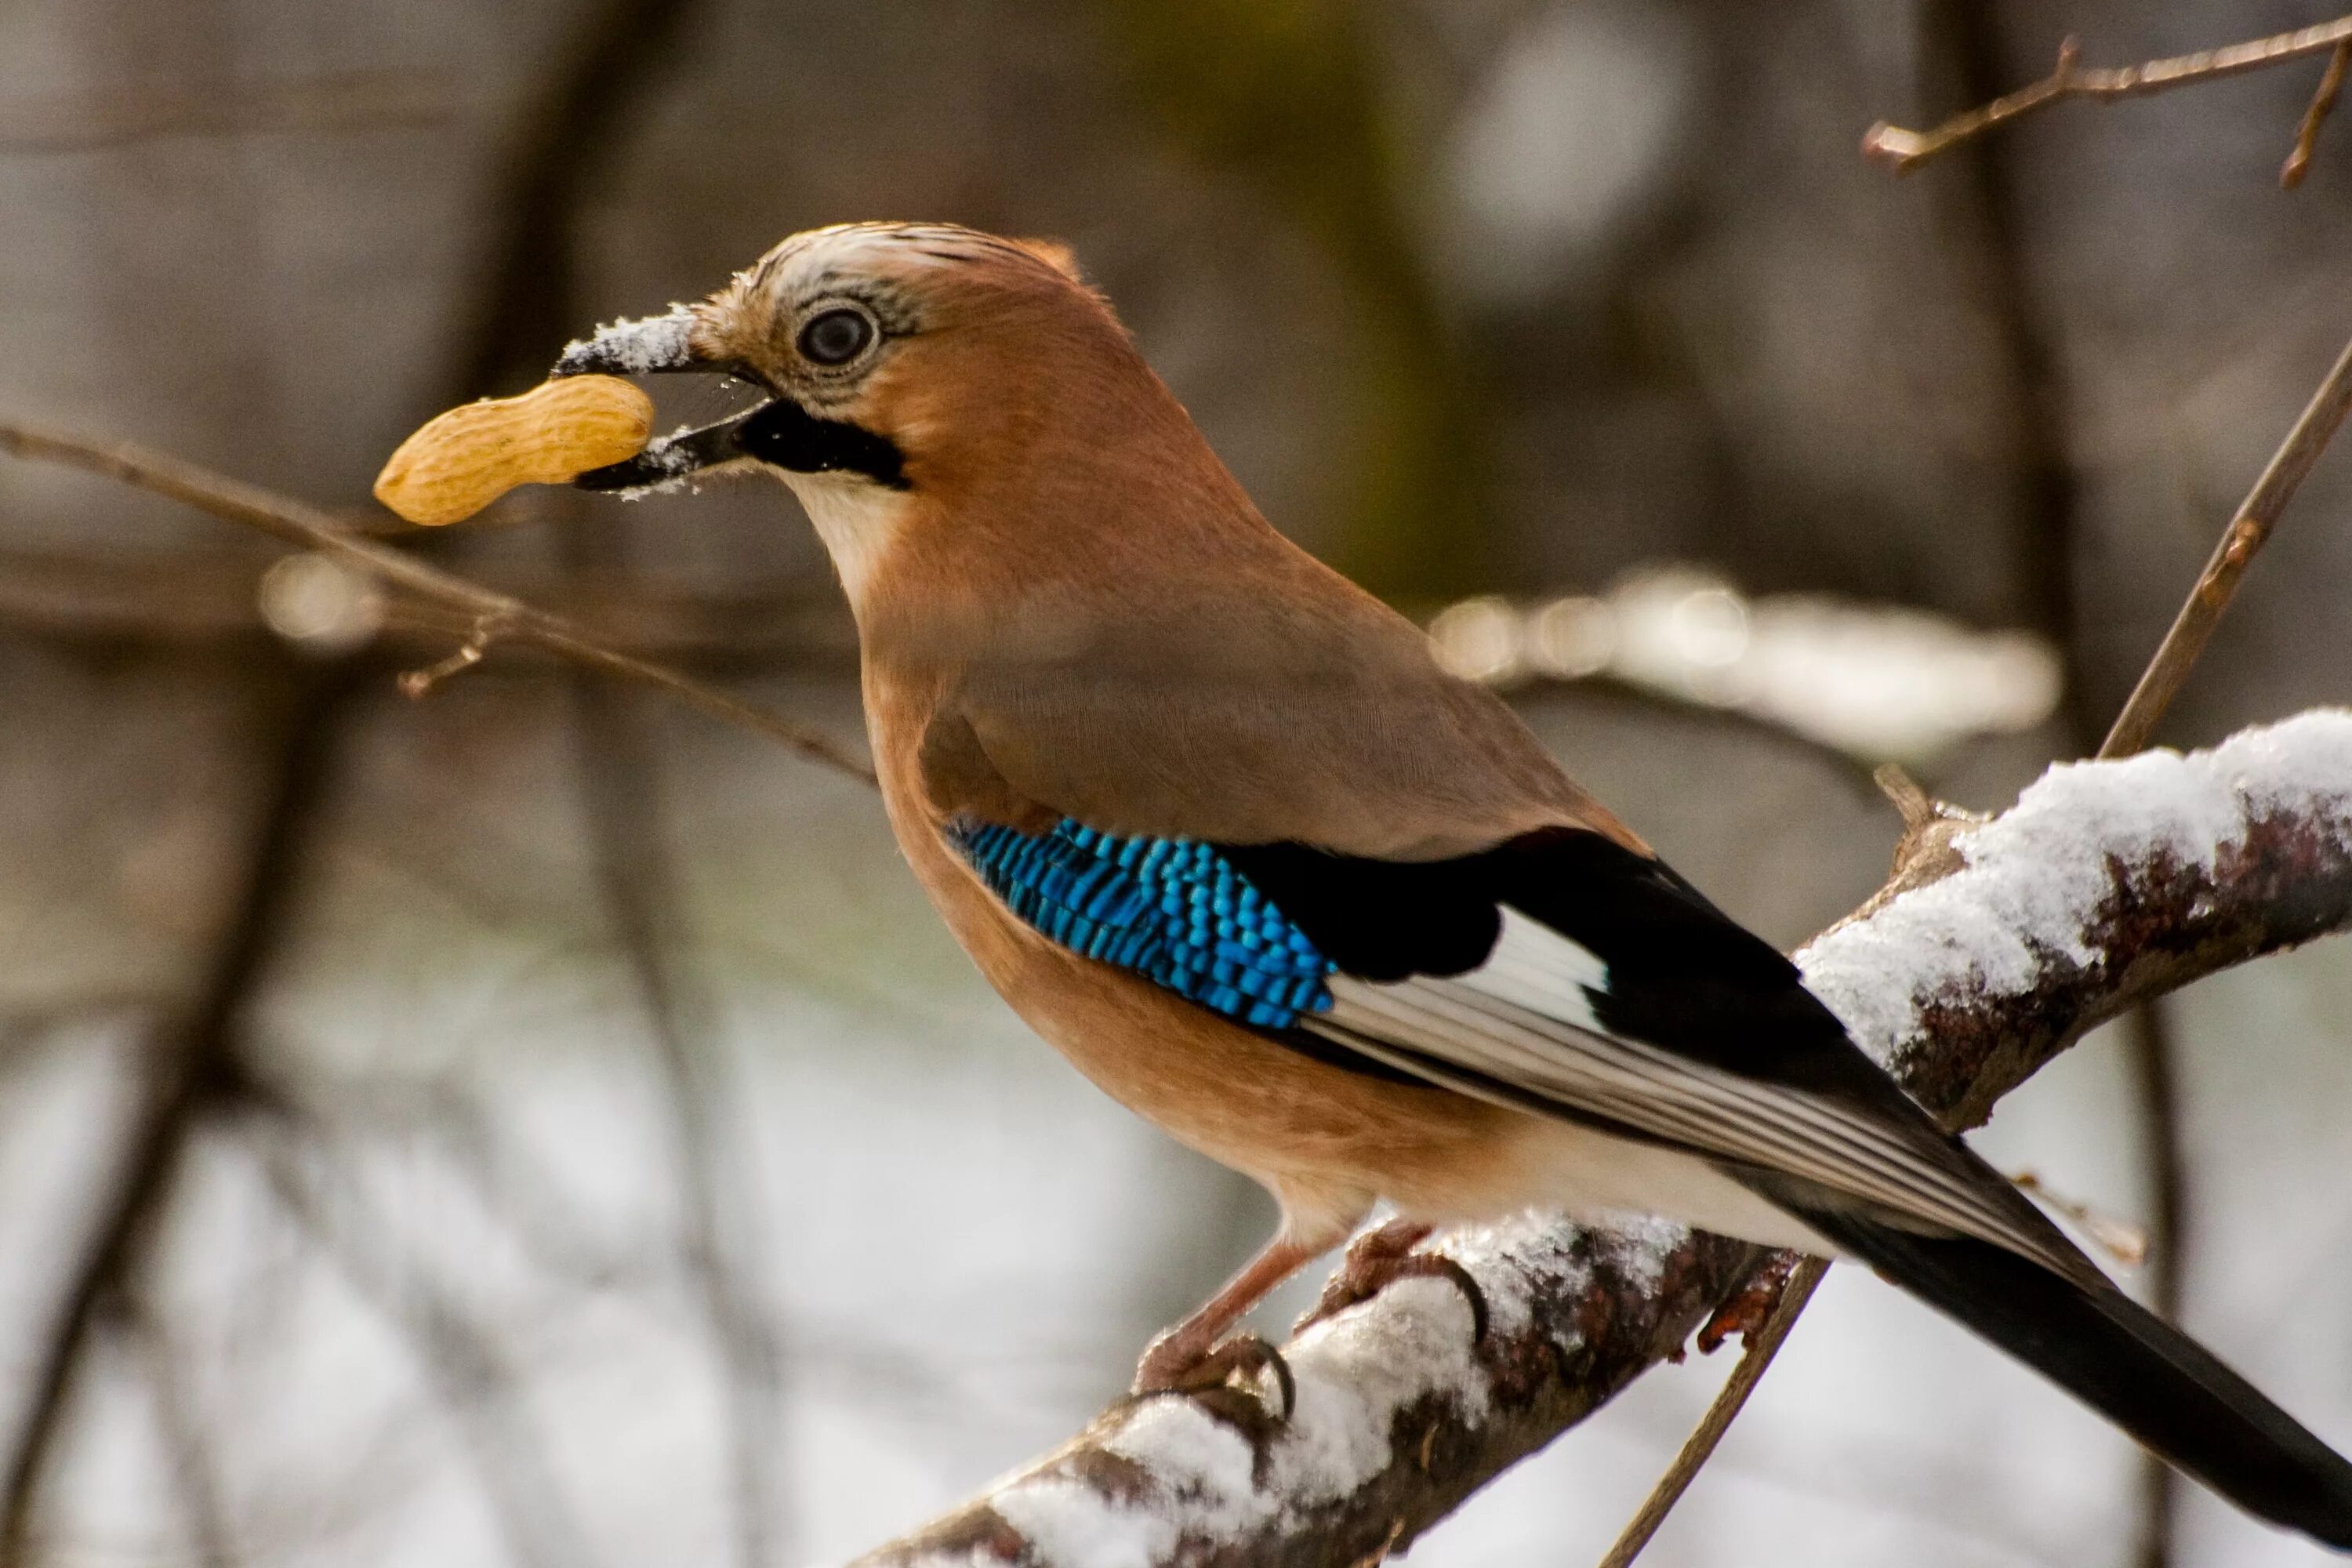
<point>1171,910</point>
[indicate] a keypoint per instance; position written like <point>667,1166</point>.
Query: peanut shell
<point>462,461</point>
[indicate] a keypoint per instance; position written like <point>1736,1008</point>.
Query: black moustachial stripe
<point>790,437</point>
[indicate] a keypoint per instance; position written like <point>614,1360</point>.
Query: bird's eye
<point>835,337</point>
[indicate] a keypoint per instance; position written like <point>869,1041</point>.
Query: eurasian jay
<point>1217,825</point>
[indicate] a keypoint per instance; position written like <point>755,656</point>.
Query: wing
<point>1299,710</point>
<point>1559,972</point>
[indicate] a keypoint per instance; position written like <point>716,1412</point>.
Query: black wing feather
<point>1684,978</point>
<point>1682,975</point>
<point>1683,984</point>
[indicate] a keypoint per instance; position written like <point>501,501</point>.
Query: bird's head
<point>916,376</point>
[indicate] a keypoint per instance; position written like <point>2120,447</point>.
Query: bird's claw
<point>1173,1367</point>
<point>1377,1259</point>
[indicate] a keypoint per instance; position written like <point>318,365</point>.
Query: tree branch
<point>496,617</point>
<point>2322,101</point>
<point>2108,883</point>
<point>2246,535</point>
<point>1904,151</point>
<point>1763,1343</point>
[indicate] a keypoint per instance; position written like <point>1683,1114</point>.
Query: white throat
<point>855,517</point>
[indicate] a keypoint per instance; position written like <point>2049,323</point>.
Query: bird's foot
<point>1176,1363</point>
<point>1378,1259</point>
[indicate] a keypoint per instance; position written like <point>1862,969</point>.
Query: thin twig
<point>200,599</point>
<point>1928,825</point>
<point>1755,1358</point>
<point>2123,1242</point>
<point>417,684</point>
<point>2306,136</point>
<point>510,618</point>
<point>2177,654</point>
<point>1904,151</point>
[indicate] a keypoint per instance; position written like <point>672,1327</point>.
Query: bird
<point>1220,827</point>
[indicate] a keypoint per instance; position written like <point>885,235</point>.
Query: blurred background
<point>537,1125</point>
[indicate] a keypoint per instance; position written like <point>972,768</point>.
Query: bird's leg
<point>1381,1257</point>
<point>1188,1355</point>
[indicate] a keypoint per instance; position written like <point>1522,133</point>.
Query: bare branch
<point>1904,151</point>
<point>1755,1360</point>
<point>2246,535</point>
<point>2108,883</point>
<point>497,616</point>
<point>199,599</point>
<point>2306,136</point>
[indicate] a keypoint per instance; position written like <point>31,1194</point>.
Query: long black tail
<point>2124,1362</point>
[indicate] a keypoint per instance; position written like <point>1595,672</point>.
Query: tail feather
<point>2124,1362</point>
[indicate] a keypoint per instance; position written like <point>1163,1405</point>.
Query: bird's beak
<point>657,343</point>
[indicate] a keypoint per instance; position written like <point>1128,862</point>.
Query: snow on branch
<point>2105,884</point>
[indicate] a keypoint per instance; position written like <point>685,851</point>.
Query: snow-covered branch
<point>2108,883</point>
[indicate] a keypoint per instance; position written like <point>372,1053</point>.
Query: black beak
<point>673,457</point>
<point>778,431</point>
<point>655,346</point>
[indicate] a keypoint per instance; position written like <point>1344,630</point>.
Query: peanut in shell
<point>462,461</point>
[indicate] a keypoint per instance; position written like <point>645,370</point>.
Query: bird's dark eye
<point>835,337</point>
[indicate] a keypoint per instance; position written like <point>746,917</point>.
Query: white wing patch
<point>1535,967</point>
<point>1522,1029</point>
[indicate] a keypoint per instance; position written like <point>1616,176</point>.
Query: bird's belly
<point>1326,1141</point>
